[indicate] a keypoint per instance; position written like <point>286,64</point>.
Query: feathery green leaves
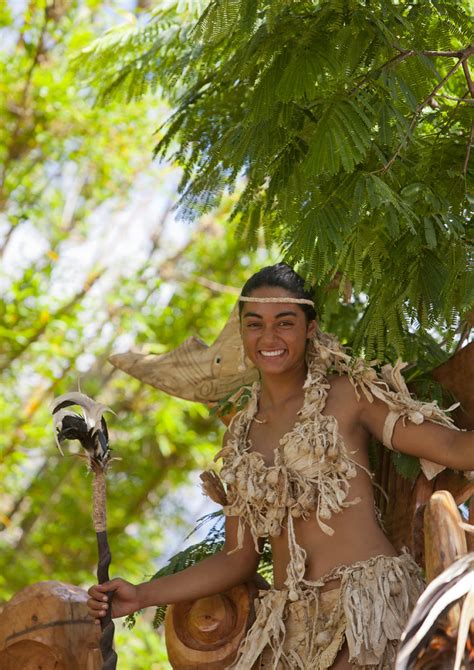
<point>349,124</point>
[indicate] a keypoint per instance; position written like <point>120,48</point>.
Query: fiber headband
<point>298,301</point>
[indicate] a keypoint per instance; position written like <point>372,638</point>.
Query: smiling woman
<point>296,471</point>
<point>274,334</point>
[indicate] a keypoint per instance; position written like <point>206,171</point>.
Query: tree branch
<point>467,72</point>
<point>406,53</point>
<point>418,111</point>
<point>451,97</point>
<point>395,59</point>
<point>445,54</point>
<point>23,99</point>
<point>468,152</point>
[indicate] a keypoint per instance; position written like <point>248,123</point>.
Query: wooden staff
<point>91,431</point>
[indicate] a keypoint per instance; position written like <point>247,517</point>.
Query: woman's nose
<point>267,335</point>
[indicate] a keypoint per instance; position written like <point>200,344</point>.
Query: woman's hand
<point>125,599</point>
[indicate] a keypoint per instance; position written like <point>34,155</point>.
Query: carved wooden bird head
<point>89,428</point>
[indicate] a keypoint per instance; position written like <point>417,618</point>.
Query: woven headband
<point>298,301</point>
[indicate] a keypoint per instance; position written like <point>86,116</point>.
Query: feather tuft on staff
<point>89,428</point>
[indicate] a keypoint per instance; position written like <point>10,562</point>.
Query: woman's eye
<point>253,325</point>
<point>286,324</point>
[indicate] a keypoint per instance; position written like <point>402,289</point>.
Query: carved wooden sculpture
<point>445,540</point>
<point>404,523</point>
<point>206,633</point>
<point>193,371</point>
<point>45,626</point>
<point>456,375</point>
<point>440,632</point>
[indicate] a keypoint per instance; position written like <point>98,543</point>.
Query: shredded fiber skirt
<point>368,610</point>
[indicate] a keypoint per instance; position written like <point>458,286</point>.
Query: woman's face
<point>275,334</point>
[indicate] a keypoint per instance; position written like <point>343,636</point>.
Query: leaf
<point>406,466</point>
<point>430,233</point>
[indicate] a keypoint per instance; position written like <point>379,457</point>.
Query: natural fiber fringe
<point>99,513</point>
<point>389,387</point>
<point>369,610</point>
<point>312,468</point>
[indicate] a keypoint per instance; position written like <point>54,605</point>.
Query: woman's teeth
<point>272,353</point>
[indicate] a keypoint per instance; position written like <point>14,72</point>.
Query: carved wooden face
<point>193,370</point>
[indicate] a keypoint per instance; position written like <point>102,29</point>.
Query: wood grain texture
<point>456,376</point>
<point>206,633</point>
<point>445,540</point>
<point>46,626</point>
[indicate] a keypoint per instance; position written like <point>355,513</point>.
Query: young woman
<point>296,470</point>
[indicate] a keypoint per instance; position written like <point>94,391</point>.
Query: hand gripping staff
<point>91,431</point>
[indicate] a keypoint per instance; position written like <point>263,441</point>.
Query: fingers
<point>100,591</point>
<point>97,610</point>
<point>106,587</point>
<point>98,601</point>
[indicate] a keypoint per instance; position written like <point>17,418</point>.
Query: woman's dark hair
<point>282,276</point>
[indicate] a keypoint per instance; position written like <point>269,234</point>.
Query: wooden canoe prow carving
<point>206,633</point>
<point>193,371</point>
<point>46,625</point>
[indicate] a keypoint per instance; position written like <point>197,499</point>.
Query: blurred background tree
<point>94,262</point>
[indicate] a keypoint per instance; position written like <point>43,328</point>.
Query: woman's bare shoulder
<point>342,393</point>
<point>340,384</point>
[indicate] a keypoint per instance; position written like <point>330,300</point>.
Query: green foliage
<point>158,439</point>
<point>212,543</point>
<point>144,650</point>
<point>406,466</point>
<point>294,108</point>
<point>73,292</point>
<point>349,125</point>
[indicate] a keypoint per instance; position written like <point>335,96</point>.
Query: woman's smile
<point>272,353</point>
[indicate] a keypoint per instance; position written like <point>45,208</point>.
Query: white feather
<point>455,592</point>
<point>92,411</point>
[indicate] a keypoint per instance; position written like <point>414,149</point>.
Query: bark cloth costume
<point>301,627</point>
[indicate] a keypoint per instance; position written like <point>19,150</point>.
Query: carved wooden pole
<point>91,431</point>
<point>105,557</point>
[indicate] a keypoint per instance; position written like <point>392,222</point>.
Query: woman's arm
<point>443,445</point>
<point>212,575</point>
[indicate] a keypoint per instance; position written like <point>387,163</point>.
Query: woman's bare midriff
<point>357,537</point>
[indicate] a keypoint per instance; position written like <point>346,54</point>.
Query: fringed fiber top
<point>312,467</point>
